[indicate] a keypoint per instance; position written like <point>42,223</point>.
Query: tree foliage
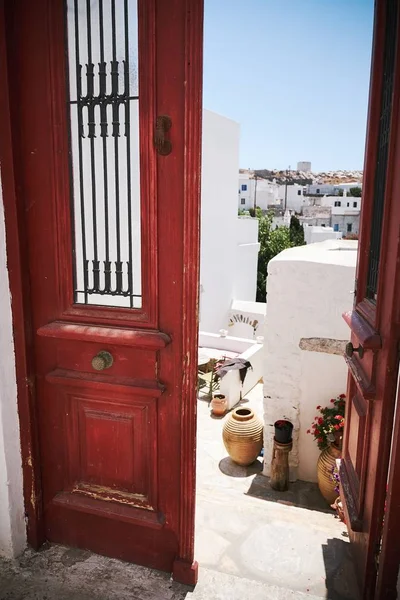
<point>296,232</point>
<point>272,242</point>
<point>355,192</point>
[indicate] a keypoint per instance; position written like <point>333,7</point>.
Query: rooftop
<point>335,252</point>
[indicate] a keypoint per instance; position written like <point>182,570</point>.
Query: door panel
<point>112,224</point>
<point>374,321</point>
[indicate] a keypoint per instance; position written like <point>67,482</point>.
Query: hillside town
<point>327,204</point>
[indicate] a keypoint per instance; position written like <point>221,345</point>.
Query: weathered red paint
<point>372,382</point>
<point>117,467</point>
<point>20,288</point>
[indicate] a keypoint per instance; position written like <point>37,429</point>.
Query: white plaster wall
<point>295,199</point>
<point>245,267</point>
<point>314,234</point>
<point>265,193</point>
<point>246,319</point>
<point>12,523</point>
<point>220,166</point>
<point>229,245</point>
<point>309,287</point>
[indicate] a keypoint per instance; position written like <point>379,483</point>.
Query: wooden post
<point>280,466</point>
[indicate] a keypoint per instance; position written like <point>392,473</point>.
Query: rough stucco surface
<point>12,524</point>
<point>308,289</point>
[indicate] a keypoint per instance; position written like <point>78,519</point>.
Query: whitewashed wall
<point>245,267</point>
<point>265,193</point>
<point>309,287</point>
<point>295,199</point>
<point>12,523</point>
<point>314,234</point>
<point>229,245</point>
<point>247,319</point>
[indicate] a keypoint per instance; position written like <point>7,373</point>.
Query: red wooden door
<point>375,319</point>
<point>105,105</point>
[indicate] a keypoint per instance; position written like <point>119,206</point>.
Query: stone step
<point>214,585</point>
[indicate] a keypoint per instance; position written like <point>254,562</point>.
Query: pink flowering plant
<point>336,479</point>
<point>327,427</point>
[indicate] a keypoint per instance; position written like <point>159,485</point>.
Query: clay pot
<point>325,464</point>
<point>219,405</point>
<point>243,436</point>
<point>283,431</point>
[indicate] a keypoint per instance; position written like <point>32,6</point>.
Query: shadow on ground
<point>58,573</point>
<point>230,468</point>
<point>300,493</point>
<point>341,581</point>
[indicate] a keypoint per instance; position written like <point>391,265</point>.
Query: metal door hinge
<point>162,144</point>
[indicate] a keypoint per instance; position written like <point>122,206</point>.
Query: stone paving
<point>251,543</point>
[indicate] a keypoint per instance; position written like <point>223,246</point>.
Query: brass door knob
<point>102,360</point>
<point>350,350</point>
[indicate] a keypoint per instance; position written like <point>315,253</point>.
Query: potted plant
<point>283,431</point>
<point>219,405</point>
<point>337,505</point>
<point>327,430</point>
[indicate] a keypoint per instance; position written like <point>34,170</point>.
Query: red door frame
<point>19,288</point>
<point>187,100</point>
<point>376,327</point>
<point>389,559</point>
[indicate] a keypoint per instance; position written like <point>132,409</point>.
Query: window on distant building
<point>317,190</point>
<point>323,225</point>
<point>354,204</point>
<point>336,227</point>
<point>349,227</point>
<point>243,201</point>
<point>299,192</point>
<point>348,204</point>
<point>338,203</point>
<point>244,187</point>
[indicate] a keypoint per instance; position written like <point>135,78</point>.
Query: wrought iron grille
<point>382,148</point>
<point>104,138</point>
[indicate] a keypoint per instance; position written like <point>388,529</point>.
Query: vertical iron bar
<point>128,153</point>
<point>91,136</point>
<point>104,135</point>
<point>115,134</point>
<point>80,135</point>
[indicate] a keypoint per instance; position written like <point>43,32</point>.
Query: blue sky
<point>294,74</point>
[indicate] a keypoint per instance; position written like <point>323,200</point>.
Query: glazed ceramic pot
<point>325,465</point>
<point>219,405</point>
<point>243,436</point>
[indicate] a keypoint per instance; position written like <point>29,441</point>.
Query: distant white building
<point>304,166</point>
<point>255,191</point>
<point>229,244</point>
<point>292,197</point>
<point>330,189</point>
<point>344,212</point>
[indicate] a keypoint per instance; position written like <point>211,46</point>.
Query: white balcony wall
<point>309,287</point>
<point>229,245</point>
<point>314,234</point>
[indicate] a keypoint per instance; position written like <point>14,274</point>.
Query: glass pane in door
<point>104,141</point>
<point>382,149</point>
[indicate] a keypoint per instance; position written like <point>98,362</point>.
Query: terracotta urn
<point>219,405</point>
<point>325,465</point>
<point>243,436</point>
